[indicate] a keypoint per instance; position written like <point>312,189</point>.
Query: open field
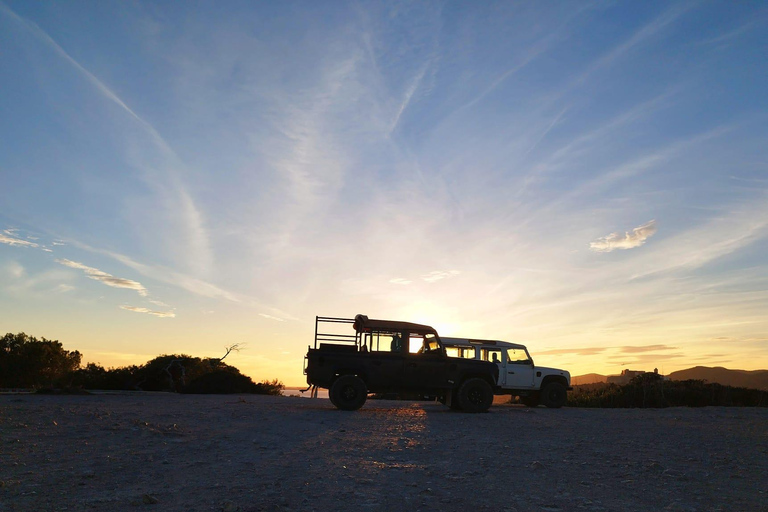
<point>192,452</point>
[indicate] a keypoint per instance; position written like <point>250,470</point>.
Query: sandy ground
<point>249,453</point>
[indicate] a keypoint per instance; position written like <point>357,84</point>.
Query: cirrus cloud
<point>13,241</point>
<point>628,240</point>
<point>161,314</point>
<point>107,279</point>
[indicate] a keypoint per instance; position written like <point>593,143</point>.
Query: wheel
<point>530,401</point>
<point>348,393</point>
<point>554,395</point>
<point>333,401</point>
<point>475,395</point>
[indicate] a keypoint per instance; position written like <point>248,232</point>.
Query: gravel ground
<point>227,453</point>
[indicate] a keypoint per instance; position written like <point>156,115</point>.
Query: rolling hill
<point>590,378</point>
<point>755,379</point>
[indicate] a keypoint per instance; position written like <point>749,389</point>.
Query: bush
<point>270,387</point>
<point>26,362</point>
<point>651,390</point>
<point>221,381</point>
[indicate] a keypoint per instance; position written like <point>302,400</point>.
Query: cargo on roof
<point>365,324</point>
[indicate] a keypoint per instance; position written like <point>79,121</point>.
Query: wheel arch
<point>350,371</point>
<point>473,375</point>
<point>553,378</point>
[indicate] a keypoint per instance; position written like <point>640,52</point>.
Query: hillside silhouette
<point>753,379</point>
<point>589,378</point>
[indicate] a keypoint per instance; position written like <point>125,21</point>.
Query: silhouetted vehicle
<point>518,376</point>
<point>384,356</point>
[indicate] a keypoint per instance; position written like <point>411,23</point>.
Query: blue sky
<point>590,179</point>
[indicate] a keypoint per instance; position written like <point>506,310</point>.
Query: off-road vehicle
<point>518,376</point>
<point>354,357</point>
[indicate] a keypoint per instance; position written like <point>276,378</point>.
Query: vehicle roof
<point>363,323</point>
<point>471,342</point>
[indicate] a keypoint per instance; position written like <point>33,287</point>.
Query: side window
<point>423,344</point>
<point>381,341</point>
<point>491,354</point>
<point>517,356</point>
<point>463,352</point>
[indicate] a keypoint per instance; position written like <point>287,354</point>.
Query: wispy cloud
<point>270,317</point>
<point>412,88</point>
<point>437,275</point>
<point>17,242</point>
<point>736,32</point>
<point>178,201</point>
<point>742,226</point>
<point>641,36</point>
<point>647,348</point>
<point>585,351</point>
<point>107,279</point>
<point>166,275</point>
<point>15,269</point>
<point>161,314</point>
<point>400,280</point>
<point>628,240</point>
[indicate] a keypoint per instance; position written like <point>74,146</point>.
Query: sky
<point>587,178</point>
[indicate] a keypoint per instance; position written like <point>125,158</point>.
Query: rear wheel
<point>554,395</point>
<point>348,393</point>
<point>475,395</point>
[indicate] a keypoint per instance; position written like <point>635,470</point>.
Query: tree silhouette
<point>28,362</point>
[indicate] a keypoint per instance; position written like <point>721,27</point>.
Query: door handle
<point>511,372</point>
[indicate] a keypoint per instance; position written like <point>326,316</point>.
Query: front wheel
<point>553,395</point>
<point>475,395</point>
<point>348,393</point>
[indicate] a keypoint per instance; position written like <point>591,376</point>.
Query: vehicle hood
<point>545,370</point>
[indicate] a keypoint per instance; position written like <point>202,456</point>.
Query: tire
<point>348,393</point>
<point>554,395</point>
<point>530,401</point>
<point>475,395</point>
<point>330,397</point>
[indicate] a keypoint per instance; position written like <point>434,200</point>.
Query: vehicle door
<point>495,355</point>
<point>426,364</point>
<point>519,369</point>
<point>386,350</point>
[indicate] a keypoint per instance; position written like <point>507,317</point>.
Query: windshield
<point>517,356</point>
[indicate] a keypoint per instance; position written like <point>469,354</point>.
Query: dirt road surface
<point>251,453</point>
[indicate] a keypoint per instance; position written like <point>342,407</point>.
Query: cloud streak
<point>161,314</point>
<point>170,187</point>
<point>16,242</point>
<point>103,277</point>
<point>614,241</point>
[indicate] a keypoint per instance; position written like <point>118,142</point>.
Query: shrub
<point>651,390</point>
<point>26,362</point>
<point>221,381</point>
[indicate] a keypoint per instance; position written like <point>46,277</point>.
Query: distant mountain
<point>590,378</point>
<point>756,379</point>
